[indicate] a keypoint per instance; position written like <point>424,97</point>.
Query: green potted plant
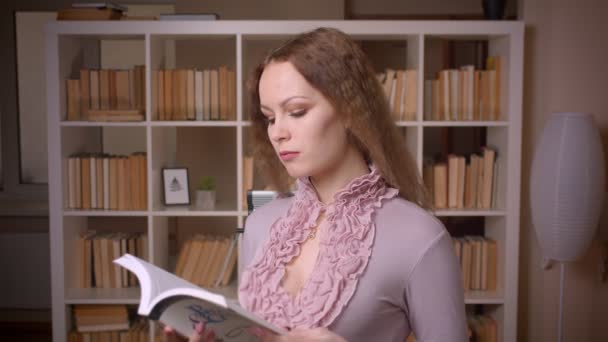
<point>205,193</point>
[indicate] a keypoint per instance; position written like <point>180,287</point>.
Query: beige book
<point>399,84</point>
<point>492,111</point>
<point>230,266</point>
<point>133,166</point>
<point>143,179</point>
<point>411,94</point>
<point>215,97</point>
<point>454,94</point>
<point>73,100</point>
<point>78,181</point>
<point>218,260</point>
<point>452,181</point>
<point>206,94</point>
<point>476,95</point>
<point>193,259</point>
<point>183,94</point>
<point>93,180</point>
<point>232,95</point>
<point>225,265</point>
<point>388,82</point>
<point>467,186</point>
<point>169,104</point>
<point>85,92</point>
<point>122,90</point>
<point>85,169</point>
<point>99,178</point>
<point>206,260</point>
<point>133,96</point>
<point>184,255</point>
<point>492,264</point>
<point>461,182</point>
<point>223,92</point>
<point>494,64</point>
<point>444,91</point>
<point>480,180</point>
<point>190,97</point>
<point>72,182</point>
<point>105,261</point>
<point>104,89</point>
<point>94,90</point>
<point>198,95</point>
<point>440,186</point>
<point>158,95</point>
<point>488,166</point>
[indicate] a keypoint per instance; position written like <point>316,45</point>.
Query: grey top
<point>412,282</point>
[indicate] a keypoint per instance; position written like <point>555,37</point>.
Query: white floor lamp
<point>567,189</point>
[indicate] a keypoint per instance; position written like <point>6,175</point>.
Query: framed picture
<point>175,186</point>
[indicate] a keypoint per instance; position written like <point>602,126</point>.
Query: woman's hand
<point>316,334</point>
<point>200,334</point>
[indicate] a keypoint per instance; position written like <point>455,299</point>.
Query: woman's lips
<point>289,155</point>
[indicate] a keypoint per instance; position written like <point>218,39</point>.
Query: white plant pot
<point>205,200</point>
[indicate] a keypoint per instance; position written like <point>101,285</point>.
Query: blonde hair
<point>335,65</point>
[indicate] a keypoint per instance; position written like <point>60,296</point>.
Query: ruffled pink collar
<point>344,249</point>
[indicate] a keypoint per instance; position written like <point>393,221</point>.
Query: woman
<point>353,255</point>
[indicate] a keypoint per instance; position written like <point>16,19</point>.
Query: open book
<point>181,305</point>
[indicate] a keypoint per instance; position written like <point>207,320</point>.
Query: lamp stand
<point>561,302</point>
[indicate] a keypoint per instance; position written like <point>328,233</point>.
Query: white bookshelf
<point>239,44</point>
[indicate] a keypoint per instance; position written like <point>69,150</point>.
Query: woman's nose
<point>279,130</point>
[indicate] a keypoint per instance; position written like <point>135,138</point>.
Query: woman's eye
<point>269,121</point>
<point>298,113</point>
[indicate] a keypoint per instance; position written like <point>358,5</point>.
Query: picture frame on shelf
<point>175,186</point>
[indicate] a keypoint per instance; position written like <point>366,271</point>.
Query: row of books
<point>103,181</point>
<point>190,94</point>
<point>483,328</point>
<point>456,184</point>
<point>478,262</point>
<point>401,89</point>
<point>465,93</point>
<point>96,251</point>
<point>208,260</point>
<point>97,318</point>
<point>107,95</point>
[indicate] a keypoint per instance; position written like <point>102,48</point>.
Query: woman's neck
<point>334,180</point>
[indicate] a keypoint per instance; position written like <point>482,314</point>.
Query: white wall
<point>565,70</point>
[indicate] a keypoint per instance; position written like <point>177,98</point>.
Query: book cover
<point>181,305</point>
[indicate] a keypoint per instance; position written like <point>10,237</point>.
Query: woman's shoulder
<point>407,222</point>
<point>259,221</point>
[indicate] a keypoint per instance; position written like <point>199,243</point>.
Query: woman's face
<point>303,127</point>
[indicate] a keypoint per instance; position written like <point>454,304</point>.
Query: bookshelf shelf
<point>483,297</point>
<point>102,296</point>
<point>218,148</point>
<point>465,123</point>
<point>101,124</point>
<point>194,124</point>
<point>193,212</point>
<point>68,212</point>
<point>470,212</point>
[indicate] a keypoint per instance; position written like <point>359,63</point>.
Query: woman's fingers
<point>169,335</point>
<point>202,334</point>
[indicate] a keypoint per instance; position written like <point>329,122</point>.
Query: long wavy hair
<point>336,66</point>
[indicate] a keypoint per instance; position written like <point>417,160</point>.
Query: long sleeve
<point>434,295</point>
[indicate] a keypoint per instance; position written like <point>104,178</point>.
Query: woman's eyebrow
<point>284,102</point>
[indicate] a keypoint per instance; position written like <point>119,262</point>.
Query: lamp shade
<point>567,185</point>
